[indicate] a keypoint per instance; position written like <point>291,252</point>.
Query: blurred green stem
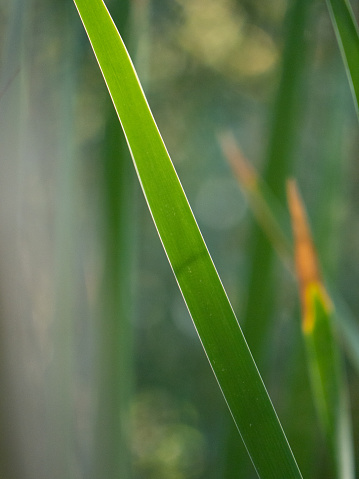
<point>283,136</point>
<point>114,368</point>
<point>114,328</point>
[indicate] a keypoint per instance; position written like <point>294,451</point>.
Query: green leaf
<point>325,365</point>
<point>196,275</point>
<point>347,33</point>
<point>330,390</point>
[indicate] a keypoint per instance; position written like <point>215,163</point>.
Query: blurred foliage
<point>206,67</point>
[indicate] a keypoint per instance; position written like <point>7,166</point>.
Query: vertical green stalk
<point>114,329</point>
<point>283,136</point>
<point>112,439</point>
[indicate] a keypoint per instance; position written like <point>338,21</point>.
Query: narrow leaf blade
<point>196,275</point>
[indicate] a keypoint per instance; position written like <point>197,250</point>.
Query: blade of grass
<point>324,361</point>
<point>196,275</point>
<point>347,33</point>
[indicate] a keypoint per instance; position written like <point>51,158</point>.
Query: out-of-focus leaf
<point>283,135</point>
<point>264,206</point>
<point>324,361</point>
<point>347,33</point>
<point>270,217</point>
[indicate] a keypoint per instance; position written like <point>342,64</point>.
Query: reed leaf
<point>212,314</point>
<point>324,361</point>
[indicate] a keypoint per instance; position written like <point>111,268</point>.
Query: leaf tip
<point>307,267</point>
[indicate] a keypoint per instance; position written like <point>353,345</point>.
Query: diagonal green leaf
<point>347,33</point>
<point>196,275</point>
